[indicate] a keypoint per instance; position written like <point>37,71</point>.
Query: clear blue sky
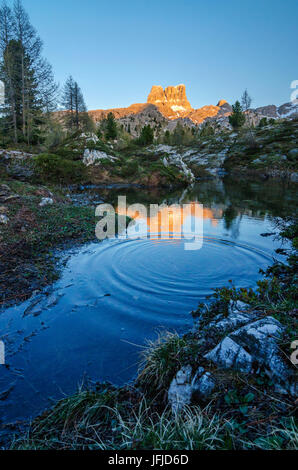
<point>118,49</point>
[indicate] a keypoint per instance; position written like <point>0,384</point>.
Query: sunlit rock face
<point>221,103</point>
<point>171,100</point>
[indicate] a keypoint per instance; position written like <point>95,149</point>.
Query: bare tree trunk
<point>23,97</point>
<point>15,130</point>
<point>12,102</point>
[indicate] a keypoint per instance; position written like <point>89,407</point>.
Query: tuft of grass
<point>121,419</point>
<point>77,422</point>
<point>191,429</point>
<point>90,420</point>
<point>161,359</point>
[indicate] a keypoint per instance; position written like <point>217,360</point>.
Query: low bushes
<point>56,169</point>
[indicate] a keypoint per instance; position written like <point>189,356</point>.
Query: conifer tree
<point>147,135</point>
<point>111,127</point>
<point>237,118</point>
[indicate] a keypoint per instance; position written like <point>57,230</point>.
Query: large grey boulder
<point>255,343</point>
<point>259,337</point>
<point>232,321</point>
<point>229,355</point>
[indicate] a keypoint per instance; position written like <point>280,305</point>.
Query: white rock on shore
<point>4,219</point>
<point>184,388</point>
<point>46,201</point>
<point>92,157</point>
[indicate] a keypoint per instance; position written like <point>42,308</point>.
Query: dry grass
<point>87,422</point>
<point>191,429</point>
<point>161,359</point>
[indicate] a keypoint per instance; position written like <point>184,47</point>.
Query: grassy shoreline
<point>32,241</point>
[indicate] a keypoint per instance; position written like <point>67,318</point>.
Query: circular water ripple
<point>144,276</point>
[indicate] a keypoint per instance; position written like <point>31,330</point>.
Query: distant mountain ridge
<point>171,102</point>
<point>166,107</point>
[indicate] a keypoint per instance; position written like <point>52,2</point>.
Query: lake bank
<point>232,210</point>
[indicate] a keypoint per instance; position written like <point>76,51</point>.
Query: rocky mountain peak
<point>221,103</point>
<point>171,99</point>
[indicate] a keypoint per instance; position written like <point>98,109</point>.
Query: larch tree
<point>74,104</point>
<point>79,103</point>
<point>7,71</point>
<point>246,101</point>
<point>28,77</point>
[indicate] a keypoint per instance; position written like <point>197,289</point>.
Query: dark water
<point>114,295</point>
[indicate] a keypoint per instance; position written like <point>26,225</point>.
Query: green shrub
<point>67,153</point>
<point>206,130</point>
<point>56,169</point>
<point>129,169</point>
<point>263,122</point>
